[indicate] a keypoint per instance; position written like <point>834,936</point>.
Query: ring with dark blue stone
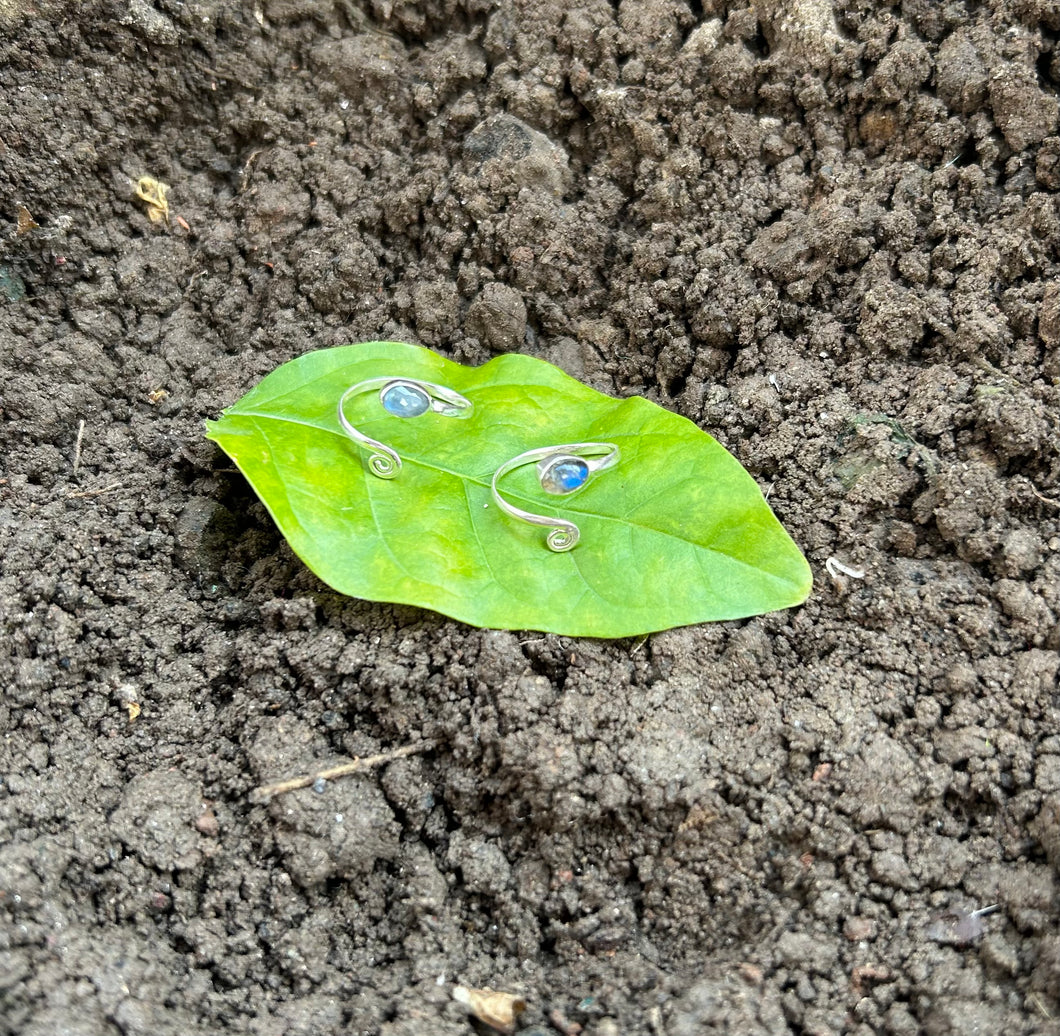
<point>399,397</point>
<point>561,470</point>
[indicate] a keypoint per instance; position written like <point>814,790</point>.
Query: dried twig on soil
<point>267,791</point>
<point>94,492</point>
<point>77,444</point>
<point>1045,499</point>
<point>1037,1001</point>
<point>220,73</point>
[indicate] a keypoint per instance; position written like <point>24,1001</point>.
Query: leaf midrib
<point>516,495</point>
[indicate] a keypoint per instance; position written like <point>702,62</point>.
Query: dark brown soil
<point>828,235</point>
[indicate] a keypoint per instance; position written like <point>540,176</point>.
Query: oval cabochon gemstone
<point>404,400</point>
<point>564,475</point>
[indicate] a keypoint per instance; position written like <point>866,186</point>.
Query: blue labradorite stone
<point>405,401</point>
<point>564,476</point>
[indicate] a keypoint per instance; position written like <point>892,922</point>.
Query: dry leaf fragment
<point>958,927</point>
<point>26,222</point>
<point>153,193</point>
<point>497,1010</point>
<point>133,708</point>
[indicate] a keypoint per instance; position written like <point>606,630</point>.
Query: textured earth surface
<point>829,234</point>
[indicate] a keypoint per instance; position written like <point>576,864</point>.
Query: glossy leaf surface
<point>676,533</point>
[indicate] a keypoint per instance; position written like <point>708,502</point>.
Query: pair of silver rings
<point>561,470</point>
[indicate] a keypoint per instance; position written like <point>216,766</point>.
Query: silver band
<point>561,470</point>
<point>400,397</point>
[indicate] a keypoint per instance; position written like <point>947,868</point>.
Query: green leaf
<point>676,533</point>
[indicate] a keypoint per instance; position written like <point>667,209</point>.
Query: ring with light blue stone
<point>399,397</point>
<point>561,470</point>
